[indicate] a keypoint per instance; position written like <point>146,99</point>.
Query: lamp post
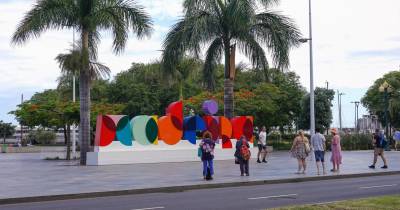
<point>356,104</point>
<point>386,89</point>
<point>309,40</point>
<point>340,108</point>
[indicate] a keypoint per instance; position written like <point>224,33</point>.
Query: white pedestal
<point>181,152</point>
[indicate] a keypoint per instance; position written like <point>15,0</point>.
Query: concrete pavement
<point>26,175</point>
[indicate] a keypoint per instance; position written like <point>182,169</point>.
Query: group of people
<point>301,149</point>
<point>206,153</point>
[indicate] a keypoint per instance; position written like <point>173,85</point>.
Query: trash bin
<point>4,148</point>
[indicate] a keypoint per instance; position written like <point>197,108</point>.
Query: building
<point>368,124</point>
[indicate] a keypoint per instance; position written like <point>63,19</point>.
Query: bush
<point>42,137</point>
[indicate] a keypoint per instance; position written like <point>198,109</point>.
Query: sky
<point>355,42</point>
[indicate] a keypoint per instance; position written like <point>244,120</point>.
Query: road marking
<point>324,203</point>
<point>273,196</point>
<point>158,207</point>
<point>379,186</point>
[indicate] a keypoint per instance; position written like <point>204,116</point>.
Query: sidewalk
<point>26,175</point>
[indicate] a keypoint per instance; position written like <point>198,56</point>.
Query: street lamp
<point>385,88</point>
<point>309,40</point>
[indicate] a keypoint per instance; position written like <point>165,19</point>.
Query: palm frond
<point>46,14</point>
<point>122,16</point>
<point>279,33</point>
<point>213,57</point>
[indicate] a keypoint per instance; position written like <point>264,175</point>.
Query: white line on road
<point>158,207</point>
<point>273,196</point>
<point>379,186</point>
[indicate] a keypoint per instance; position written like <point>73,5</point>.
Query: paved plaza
<point>26,175</point>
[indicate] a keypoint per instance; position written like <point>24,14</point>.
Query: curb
<point>184,188</point>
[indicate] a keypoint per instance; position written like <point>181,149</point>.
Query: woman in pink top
<point>336,149</point>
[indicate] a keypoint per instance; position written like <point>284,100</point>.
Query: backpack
<point>244,151</point>
<point>206,151</point>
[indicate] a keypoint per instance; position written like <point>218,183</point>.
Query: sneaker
<point>372,166</point>
<point>247,174</point>
<point>241,174</point>
<point>258,161</point>
<point>264,161</point>
<point>384,167</point>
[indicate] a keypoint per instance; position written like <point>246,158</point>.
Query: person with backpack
<point>207,146</point>
<point>243,154</point>
<point>379,143</point>
<point>396,138</point>
<point>300,150</point>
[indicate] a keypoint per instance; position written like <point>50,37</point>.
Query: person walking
<point>207,146</point>
<point>379,143</point>
<point>336,157</point>
<point>318,146</point>
<point>396,138</point>
<point>243,155</point>
<point>300,150</point>
<point>262,145</point>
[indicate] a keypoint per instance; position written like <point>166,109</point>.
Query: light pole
<point>340,108</point>
<point>73,100</point>
<point>386,89</point>
<point>356,103</point>
<point>310,41</point>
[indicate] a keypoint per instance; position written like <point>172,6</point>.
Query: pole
<point>357,104</point>
<point>355,115</point>
<point>386,111</point>
<point>327,85</point>
<point>20,123</point>
<point>312,113</point>
<point>73,100</point>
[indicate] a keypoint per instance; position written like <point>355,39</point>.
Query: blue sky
<point>355,42</point>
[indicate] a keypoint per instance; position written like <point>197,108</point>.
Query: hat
<point>334,130</point>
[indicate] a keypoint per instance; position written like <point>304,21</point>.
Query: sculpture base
<point>181,152</point>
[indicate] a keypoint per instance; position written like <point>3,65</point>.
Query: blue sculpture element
<point>192,124</point>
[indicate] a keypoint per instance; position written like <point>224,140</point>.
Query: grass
<point>377,203</point>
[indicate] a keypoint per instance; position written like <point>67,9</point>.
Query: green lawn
<point>378,203</point>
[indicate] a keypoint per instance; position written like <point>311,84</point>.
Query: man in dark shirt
<point>379,144</point>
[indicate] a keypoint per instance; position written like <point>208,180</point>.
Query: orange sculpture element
<point>167,130</point>
<point>225,127</point>
<point>106,129</point>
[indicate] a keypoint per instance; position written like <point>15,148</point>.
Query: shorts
<point>261,147</point>
<point>378,151</point>
<point>319,156</point>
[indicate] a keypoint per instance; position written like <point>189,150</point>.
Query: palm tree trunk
<point>68,157</point>
<point>228,85</point>
<point>84,93</point>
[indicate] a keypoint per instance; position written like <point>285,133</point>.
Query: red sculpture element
<point>106,129</point>
<point>212,125</point>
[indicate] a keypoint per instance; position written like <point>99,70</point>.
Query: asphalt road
<point>247,197</point>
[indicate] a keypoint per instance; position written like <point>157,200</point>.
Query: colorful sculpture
<point>172,127</point>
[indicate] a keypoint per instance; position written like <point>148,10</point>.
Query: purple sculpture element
<point>210,107</point>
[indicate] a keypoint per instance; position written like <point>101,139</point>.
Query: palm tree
<point>223,25</point>
<point>69,64</point>
<point>89,17</point>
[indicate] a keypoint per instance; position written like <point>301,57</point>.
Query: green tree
<point>6,130</point>
<point>323,109</point>
<point>89,17</point>
<point>374,100</point>
<point>223,26</point>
